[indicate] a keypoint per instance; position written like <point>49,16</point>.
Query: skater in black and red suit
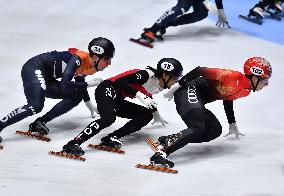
<point>110,97</point>
<point>201,86</point>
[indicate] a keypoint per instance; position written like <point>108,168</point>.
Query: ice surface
<point>252,166</point>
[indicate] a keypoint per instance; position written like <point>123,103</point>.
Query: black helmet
<point>101,47</point>
<point>170,66</point>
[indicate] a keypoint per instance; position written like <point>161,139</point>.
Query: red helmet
<point>258,66</point>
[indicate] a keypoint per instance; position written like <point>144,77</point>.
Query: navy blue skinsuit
<point>39,76</point>
<point>176,15</point>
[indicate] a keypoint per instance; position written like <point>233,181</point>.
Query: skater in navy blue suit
<point>272,6</point>
<point>40,74</point>
<point>178,15</point>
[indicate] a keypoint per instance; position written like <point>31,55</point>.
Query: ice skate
<point>150,36</point>
<point>37,130</point>
<point>160,158</point>
<point>255,15</point>
<point>155,146</point>
<point>274,11</point>
<point>73,149</point>
<point>257,12</point>
<point>163,142</point>
<point>111,142</point>
<point>38,127</point>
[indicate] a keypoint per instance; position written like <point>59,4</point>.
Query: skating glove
<point>94,82</point>
<point>211,7</point>
<point>233,129</point>
<point>158,119</point>
<point>92,108</point>
<point>149,102</point>
<point>222,19</point>
<point>170,94</point>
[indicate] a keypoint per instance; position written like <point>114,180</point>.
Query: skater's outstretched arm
<point>229,110</point>
<point>222,18</point>
<point>84,92</point>
<point>140,77</point>
<point>233,128</point>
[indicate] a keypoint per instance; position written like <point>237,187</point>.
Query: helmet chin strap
<point>254,86</point>
<point>166,82</point>
<point>97,63</point>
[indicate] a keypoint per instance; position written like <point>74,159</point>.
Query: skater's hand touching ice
<point>158,119</point>
<point>222,19</point>
<point>234,130</point>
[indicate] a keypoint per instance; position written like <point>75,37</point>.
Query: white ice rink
<point>251,166</point>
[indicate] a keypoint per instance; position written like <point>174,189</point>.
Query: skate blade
<point>155,168</point>
<point>65,155</point>
<point>34,136</point>
<point>105,148</point>
<point>1,147</point>
<point>152,144</point>
<point>142,42</point>
<point>259,22</point>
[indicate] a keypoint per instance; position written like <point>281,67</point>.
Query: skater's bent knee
<point>36,108</point>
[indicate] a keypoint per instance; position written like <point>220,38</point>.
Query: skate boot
<point>165,141</point>
<point>111,142</point>
<point>160,158</point>
<point>73,148</point>
<point>160,34</point>
<point>149,36</point>
<point>257,12</point>
<point>38,127</point>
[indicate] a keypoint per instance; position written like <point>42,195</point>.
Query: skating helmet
<point>259,67</point>
<point>101,47</point>
<point>170,66</point>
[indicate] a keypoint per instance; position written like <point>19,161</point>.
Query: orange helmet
<point>258,66</point>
